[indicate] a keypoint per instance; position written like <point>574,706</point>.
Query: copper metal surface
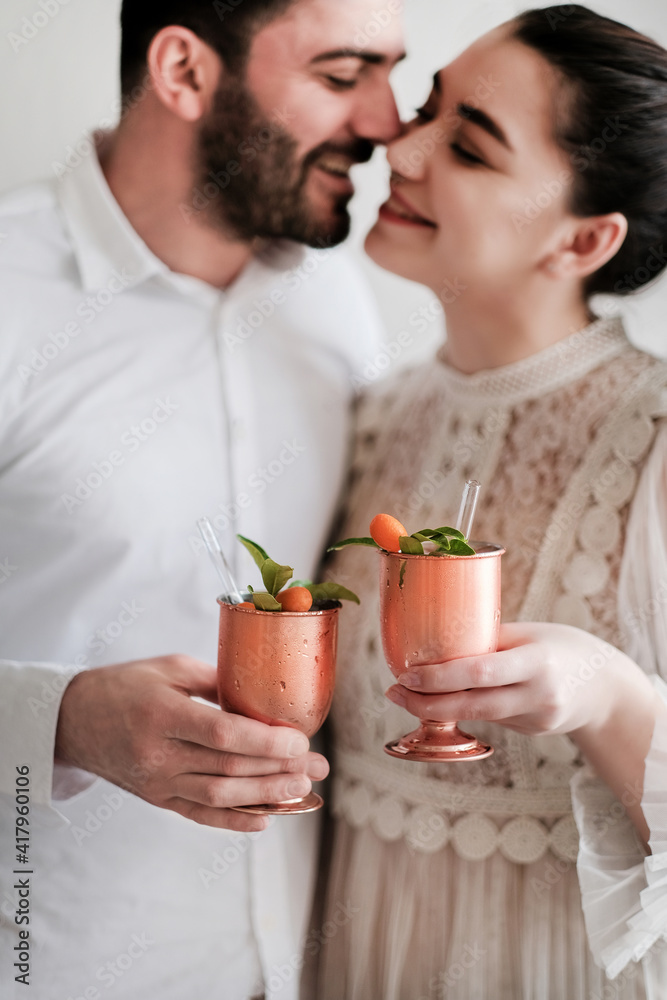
<point>279,668</point>
<point>434,609</point>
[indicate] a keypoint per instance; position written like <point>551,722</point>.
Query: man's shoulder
<point>34,240</point>
<point>27,200</point>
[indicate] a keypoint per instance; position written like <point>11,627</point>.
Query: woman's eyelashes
<point>338,83</point>
<point>464,154</point>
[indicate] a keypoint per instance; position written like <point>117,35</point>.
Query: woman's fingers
<point>512,666</point>
<point>221,819</point>
<point>493,704</point>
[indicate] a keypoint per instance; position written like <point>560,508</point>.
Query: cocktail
<point>439,601</point>
<point>434,609</point>
<point>276,651</point>
<point>278,668</point>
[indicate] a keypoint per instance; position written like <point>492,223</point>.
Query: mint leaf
<point>411,546</point>
<point>255,550</point>
<point>424,534</point>
<point>459,548</point>
<point>265,602</point>
<point>330,591</point>
<point>452,532</point>
<point>353,541</point>
<point>275,576</point>
<point>300,583</point>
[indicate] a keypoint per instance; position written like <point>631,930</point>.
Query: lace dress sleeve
<point>624,891</point>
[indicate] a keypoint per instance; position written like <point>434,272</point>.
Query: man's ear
<point>590,244</point>
<point>185,72</point>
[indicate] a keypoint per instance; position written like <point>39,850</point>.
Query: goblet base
<point>438,741</point>
<point>291,807</point>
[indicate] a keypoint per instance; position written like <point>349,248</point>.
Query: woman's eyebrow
<point>480,118</point>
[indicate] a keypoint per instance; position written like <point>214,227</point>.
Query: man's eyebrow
<point>478,117</point>
<point>372,58</point>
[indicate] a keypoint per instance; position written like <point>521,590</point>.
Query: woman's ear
<point>591,244</point>
<point>184,71</point>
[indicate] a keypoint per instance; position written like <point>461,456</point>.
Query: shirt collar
<point>106,245</point>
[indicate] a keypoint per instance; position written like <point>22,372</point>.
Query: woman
<point>527,875</point>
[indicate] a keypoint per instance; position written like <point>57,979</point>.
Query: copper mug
<point>278,667</point>
<point>434,609</point>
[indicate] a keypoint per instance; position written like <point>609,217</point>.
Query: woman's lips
<point>399,211</point>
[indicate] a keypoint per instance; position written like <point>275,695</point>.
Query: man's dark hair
<point>614,129</point>
<point>228,26</point>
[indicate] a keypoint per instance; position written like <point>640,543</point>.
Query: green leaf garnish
<point>300,583</point>
<point>459,548</point>
<point>370,542</point>
<point>266,602</point>
<point>411,546</point>
<point>452,532</point>
<point>330,591</point>
<point>275,576</point>
<point>255,550</point>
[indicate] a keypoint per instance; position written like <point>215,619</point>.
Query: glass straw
<point>212,542</point>
<point>468,507</point>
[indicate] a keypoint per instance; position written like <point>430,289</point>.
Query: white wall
<point>63,82</point>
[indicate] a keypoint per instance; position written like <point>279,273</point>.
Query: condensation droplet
<point>282,685</point>
<point>237,685</point>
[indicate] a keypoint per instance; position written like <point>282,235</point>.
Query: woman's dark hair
<point>614,129</point>
<point>228,26</point>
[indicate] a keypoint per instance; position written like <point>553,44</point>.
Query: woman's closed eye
<point>466,155</point>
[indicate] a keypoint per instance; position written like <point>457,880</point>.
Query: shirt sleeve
<point>31,697</point>
<point>624,891</point>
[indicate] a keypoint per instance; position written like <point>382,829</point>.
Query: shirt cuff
<point>32,693</point>
<point>623,891</point>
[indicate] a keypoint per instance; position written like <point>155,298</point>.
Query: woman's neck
<point>489,332</point>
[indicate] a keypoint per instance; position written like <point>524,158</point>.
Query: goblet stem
<point>438,741</point>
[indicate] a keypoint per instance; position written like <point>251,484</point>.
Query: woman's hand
<point>544,678</point>
<point>551,679</point>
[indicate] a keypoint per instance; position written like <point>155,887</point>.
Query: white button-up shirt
<point>135,400</point>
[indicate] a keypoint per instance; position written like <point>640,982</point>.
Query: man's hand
<point>136,725</point>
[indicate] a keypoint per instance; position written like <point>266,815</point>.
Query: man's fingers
<point>200,760</point>
<point>223,793</point>
<point>218,730</point>
<point>222,819</point>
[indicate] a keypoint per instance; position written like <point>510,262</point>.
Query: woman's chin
<point>387,255</point>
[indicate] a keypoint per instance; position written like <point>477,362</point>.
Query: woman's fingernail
<point>409,680</point>
<point>397,696</point>
<point>298,746</point>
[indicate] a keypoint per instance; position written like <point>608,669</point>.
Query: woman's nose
<point>407,155</point>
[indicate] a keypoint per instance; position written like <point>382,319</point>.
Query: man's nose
<point>377,116</point>
<point>405,154</point>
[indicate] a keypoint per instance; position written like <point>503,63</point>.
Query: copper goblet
<point>278,667</point>
<point>434,609</point>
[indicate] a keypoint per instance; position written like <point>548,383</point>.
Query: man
<point>169,351</point>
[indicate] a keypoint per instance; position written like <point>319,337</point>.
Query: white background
<point>63,82</point>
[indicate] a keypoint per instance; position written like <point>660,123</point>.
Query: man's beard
<point>267,197</point>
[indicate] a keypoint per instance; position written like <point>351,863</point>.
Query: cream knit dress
<point>467,880</point>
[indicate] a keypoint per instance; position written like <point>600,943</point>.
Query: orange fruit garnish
<point>386,531</point>
<point>246,604</point>
<point>295,599</point>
